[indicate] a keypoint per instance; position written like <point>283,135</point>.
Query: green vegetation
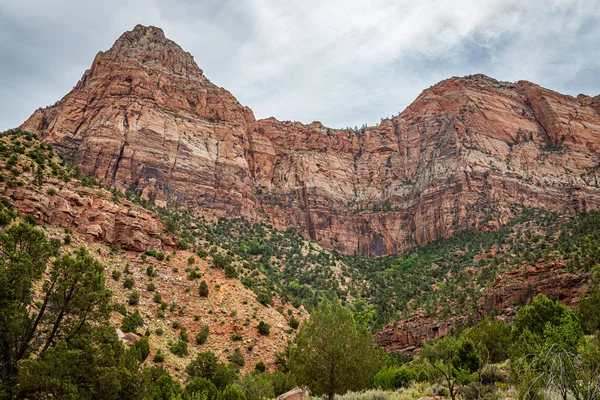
<point>264,328</point>
<point>56,341</point>
<point>202,336</point>
<point>333,353</point>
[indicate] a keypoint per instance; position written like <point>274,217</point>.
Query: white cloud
<point>343,62</point>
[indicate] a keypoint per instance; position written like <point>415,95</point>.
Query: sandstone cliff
<point>468,153</point>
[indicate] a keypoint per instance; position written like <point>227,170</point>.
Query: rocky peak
<point>469,152</point>
<point>147,47</point>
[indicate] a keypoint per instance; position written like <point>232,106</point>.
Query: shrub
<point>159,356</point>
<point>134,298</point>
<point>294,323</point>
<point>183,335</point>
<point>203,289</point>
<point>264,328</point>
<point>257,386</point>
<point>132,322</point>
<point>264,299</point>
<point>260,366</point>
<point>237,358</point>
<point>128,283</point>
<point>236,337</point>
<point>202,336</point>
<point>231,392</point>
<point>230,271</point>
<point>180,349</point>
<point>151,287</point>
<point>392,378</point>
<point>201,387</point>
<point>116,275</point>
<point>120,308</point>
<point>221,261</point>
<point>157,298</point>
<point>183,244</point>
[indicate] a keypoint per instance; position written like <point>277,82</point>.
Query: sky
<point>342,62</point>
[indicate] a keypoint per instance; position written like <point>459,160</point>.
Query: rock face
<point>468,153</point>
<point>92,213</point>
<point>509,290</point>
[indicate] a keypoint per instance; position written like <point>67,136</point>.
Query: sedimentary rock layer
<point>468,153</point>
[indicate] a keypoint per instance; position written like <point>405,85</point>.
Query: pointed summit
<point>148,47</point>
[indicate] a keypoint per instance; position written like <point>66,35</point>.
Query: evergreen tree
<point>333,353</point>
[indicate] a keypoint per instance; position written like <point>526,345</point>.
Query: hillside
<point>469,153</point>
<point>141,256</point>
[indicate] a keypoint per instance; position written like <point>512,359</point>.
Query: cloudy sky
<point>342,62</point>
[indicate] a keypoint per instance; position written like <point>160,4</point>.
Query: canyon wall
<point>468,153</point>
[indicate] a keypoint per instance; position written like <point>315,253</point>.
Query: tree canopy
<point>333,353</point>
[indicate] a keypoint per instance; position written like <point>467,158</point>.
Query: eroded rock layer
<point>509,291</point>
<point>468,153</point>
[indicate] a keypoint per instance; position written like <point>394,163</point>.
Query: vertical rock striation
<point>467,154</point>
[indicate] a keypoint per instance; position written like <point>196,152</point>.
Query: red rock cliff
<point>469,152</point>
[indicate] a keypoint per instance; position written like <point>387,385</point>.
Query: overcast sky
<point>341,62</point>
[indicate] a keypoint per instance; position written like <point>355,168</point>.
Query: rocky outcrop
<point>468,153</point>
<point>92,213</point>
<point>509,290</point>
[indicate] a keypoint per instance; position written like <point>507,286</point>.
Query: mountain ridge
<point>468,153</point>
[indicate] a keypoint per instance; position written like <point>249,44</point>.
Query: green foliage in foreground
<point>333,353</point>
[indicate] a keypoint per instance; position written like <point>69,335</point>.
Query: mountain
<point>468,153</point>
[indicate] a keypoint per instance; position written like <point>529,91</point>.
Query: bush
<point>202,387</point>
<point>264,328</point>
<point>231,392</point>
<point>180,348</point>
<point>151,287</point>
<point>183,335</point>
<point>202,335</point>
<point>493,335</point>
<point>132,322</point>
<point>260,366</point>
<point>236,337</point>
<point>230,271</point>
<point>183,244</point>
<point>134,298</point>
<point>157,298</point>
<point>257,386</point>
<point>128,283</point>
<point>265,299</point>
<point>392,378</point>
<point>116,275</point>
<point>159,356</point>
<point>203,289</point>
<point>203,366</point>
<point>221,261</point>
<point>282,382</point>
<point>294,323</point>
<point>237,358</point>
